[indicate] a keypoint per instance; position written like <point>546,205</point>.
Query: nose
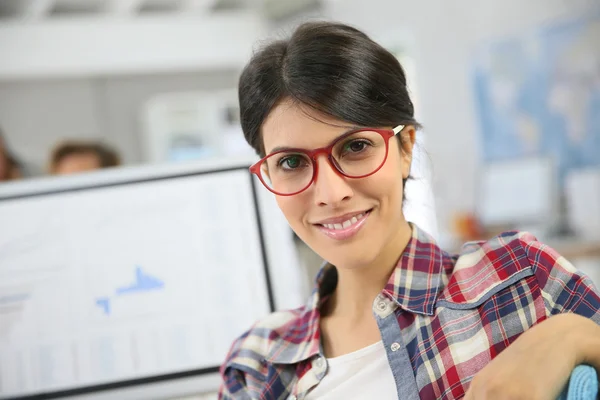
<point>330,187</point>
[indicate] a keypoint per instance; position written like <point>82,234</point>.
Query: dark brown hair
<point>330,67</point>
<point>107,157</point>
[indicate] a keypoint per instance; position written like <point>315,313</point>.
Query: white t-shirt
<point>363,374</point>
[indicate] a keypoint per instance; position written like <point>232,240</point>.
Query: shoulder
<point>249,351</point>
<point>486,267</point>
<point>506,249</point>
<point>533,271</point>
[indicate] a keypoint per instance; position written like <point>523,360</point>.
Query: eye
<point>356,146</point>
<point>291,162</point>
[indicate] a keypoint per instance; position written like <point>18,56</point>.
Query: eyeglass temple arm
<point>398,129</point>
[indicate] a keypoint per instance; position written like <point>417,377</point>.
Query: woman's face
<point>76,163</point>
<point>371,206</point>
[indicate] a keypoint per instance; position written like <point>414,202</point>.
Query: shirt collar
<point>417,278</point>
<point>414,285</point>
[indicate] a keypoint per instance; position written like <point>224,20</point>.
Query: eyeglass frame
<point>387,134</point>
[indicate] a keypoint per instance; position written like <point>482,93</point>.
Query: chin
<point>349,256</point>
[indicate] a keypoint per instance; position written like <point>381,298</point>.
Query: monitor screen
<point>128,282</point>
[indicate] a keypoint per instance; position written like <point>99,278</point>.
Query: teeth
<point>344,224</point>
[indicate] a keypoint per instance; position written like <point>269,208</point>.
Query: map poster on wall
<point>539,95</point>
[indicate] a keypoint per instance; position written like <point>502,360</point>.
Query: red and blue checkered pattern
<point>455,314</point>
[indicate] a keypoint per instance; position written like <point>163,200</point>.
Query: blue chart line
<point>143,283</point>
<point>104,304</point>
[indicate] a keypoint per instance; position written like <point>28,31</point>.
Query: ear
<point>407,142</point>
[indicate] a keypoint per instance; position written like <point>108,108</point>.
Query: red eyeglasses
<point>356,154</point>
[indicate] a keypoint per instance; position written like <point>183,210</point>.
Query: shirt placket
<point>385,311</point>
<point>311,378</point>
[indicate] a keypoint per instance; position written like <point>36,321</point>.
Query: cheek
<point>293,208</point>
<point>386,184</point>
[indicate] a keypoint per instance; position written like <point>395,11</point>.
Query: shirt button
<point>319,362</point>
<point>395,346</point>
<point>292,397</point>
<point>381,306</point>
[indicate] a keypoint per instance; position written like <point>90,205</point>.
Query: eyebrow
<point>286,148</point>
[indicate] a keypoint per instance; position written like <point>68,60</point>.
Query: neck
<point>357,287</point>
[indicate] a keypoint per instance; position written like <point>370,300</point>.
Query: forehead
<point>293,125</point>
<point>82,157</point>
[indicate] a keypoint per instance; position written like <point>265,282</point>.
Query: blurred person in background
<point>392,315</point>
<point>72,157</point>
<point>10,168</point>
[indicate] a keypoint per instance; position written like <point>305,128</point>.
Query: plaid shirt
<point>442,318</point>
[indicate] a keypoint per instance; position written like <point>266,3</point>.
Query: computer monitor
<point>520,193</point>
<point>133,283</point>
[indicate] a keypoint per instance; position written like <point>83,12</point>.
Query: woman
<point>392,316</point>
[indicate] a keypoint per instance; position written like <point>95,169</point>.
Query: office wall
<point>444,35</point>
<point>36,114</point>
<point>122,98</point>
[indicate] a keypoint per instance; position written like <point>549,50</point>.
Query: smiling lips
<point>344,227</point>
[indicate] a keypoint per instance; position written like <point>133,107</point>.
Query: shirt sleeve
<point>233,385</point>
<point>564,288</point>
